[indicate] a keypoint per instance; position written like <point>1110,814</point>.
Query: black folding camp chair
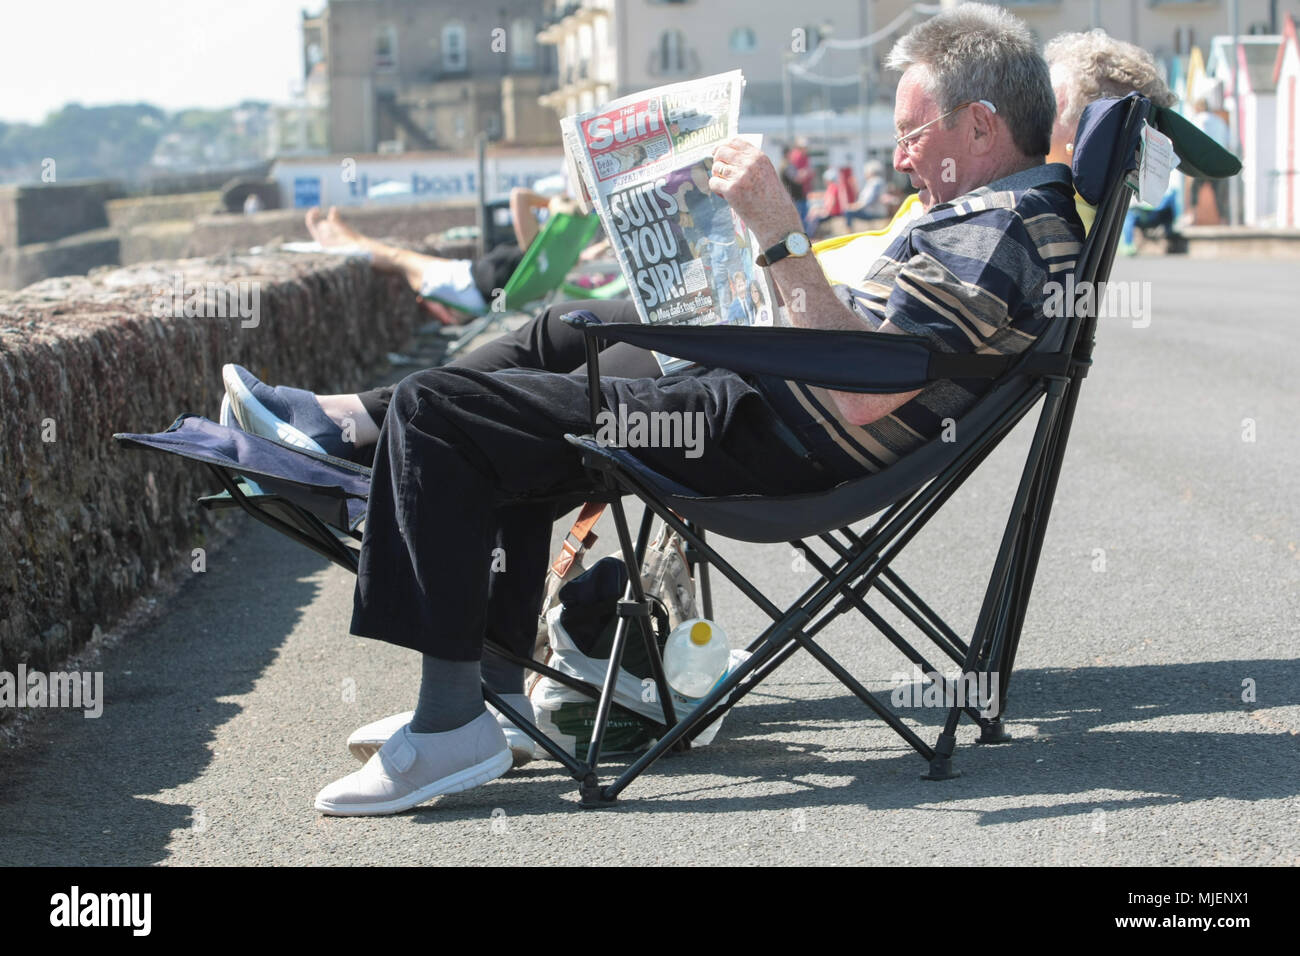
<point>319,501</point>
<point>904,497</point>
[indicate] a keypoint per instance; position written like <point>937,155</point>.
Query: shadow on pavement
<point>1134,730</point>
<point>81,792</point>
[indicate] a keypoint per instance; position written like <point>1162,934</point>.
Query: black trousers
<point>472,469</point>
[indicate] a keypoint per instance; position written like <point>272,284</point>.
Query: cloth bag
<point>580,621</point>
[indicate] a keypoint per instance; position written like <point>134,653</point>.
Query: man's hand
<point>746,179</point>
<point>750,184</point>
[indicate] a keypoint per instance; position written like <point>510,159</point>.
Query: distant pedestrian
<point>870,203</point>
<point>792,179</point>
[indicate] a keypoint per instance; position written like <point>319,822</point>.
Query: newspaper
<point>643,164</point>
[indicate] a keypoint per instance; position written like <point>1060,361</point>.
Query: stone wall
<point>214,235</point>
<point>73,255</point>
<point>1238,242</point>
<point>137,210</point>
<point>41,213</point>
<point>87,525</point>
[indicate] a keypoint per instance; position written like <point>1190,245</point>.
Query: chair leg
<point>699,565</point>
<point>592,796</point>
<point>941,767</point>
<point>994,732</point>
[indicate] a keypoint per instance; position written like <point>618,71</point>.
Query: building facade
<point>1164,27</point>
<point>806,74</point>
<point>431,74</point>
<point>609,48</point>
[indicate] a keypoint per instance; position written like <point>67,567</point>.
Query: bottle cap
<point>701,633</point>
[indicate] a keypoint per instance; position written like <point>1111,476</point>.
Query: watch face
<point>798,244</point>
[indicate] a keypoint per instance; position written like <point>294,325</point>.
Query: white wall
<point>313,181</point>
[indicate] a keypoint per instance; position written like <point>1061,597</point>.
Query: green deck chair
<point>540,274</point>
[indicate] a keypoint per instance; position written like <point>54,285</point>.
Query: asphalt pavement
<point>1155,706</point>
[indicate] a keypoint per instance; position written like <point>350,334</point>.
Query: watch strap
<point>781,250</point>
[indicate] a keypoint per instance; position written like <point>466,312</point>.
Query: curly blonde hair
<point>1099,65</point>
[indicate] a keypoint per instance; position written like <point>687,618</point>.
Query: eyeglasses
<point>908,140</point>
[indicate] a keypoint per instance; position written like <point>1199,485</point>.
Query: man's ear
<point>983,129</point>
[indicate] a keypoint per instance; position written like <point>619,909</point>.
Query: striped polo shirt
<point>971,275</point>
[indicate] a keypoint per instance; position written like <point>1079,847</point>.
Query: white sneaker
<point>366,741</point>
<point>412,768</point>
<point>522,747</point>
<point>226,418</point>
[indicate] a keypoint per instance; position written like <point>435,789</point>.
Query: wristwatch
<point>795,244</point>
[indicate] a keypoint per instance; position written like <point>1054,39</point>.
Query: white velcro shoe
<point>412,768</point>
<point>365,741</point>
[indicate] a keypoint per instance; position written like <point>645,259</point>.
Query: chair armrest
<point>868,362</point>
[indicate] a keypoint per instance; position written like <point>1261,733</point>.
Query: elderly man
<point>465,456</point>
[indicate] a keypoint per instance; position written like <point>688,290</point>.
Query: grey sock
<point>502,676</point>
<point>451,695</point>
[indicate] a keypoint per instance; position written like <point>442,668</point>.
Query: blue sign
<point>306,191</point>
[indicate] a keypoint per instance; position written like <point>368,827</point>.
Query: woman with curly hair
<point>1086,67</point>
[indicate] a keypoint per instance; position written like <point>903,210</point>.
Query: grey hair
<point>1099,65</point>
<point>981,52</point>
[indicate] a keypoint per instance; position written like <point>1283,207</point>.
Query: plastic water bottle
<point>696,657</point>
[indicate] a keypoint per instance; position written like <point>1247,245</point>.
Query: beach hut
<point>1256,57</point>
<point>1286,80</point>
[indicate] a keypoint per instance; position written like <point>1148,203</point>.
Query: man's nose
<point>902,161</point>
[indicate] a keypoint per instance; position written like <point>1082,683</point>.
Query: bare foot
<point>444,314</point>
<point>331,231</point>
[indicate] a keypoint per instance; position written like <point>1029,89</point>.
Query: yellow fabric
<point>837,258</point>
<point>846,255</point>
<point>1087,213</point>
<point>903,214</point>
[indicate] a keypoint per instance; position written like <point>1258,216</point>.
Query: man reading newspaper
<point>465,454</point>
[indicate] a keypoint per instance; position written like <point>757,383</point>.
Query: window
<point>672,52</point>
<point>453,48</point>
<point>523,45</point>
<point>743,40</point>
<point>386,49</point>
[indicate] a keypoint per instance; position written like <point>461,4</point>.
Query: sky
<point>171,53</point>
